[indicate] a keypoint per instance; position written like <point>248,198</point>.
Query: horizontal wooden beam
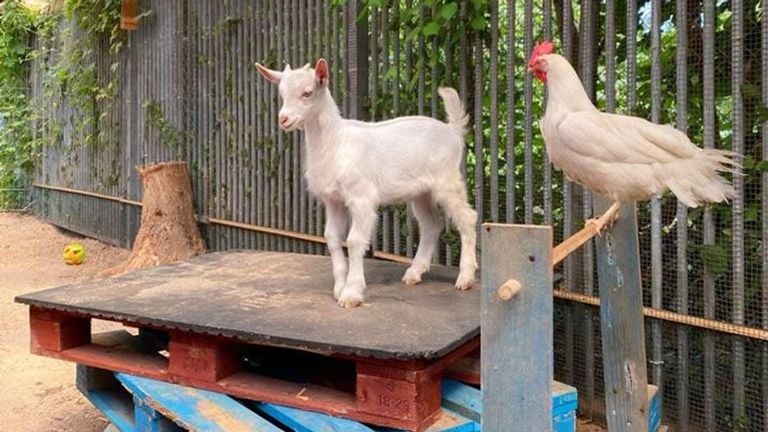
<point>674,317</point>
<point>87,193</point>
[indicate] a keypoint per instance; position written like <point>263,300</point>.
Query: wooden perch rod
<point>561,251</point>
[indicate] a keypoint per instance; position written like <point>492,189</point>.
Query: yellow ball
<point>74,254</point>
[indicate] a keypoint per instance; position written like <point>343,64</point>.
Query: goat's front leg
<point>336,222</point>
<point>363,221</point>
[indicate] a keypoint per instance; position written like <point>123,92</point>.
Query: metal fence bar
<point>509,150</point>
<point>708,46</point>
<point>478,143</point>
<point>463,72</point>
<point>546,166</point>
<point>737,205</point>
<point>528,115</point>
<point>284,139</point>
<point>656,244</point>
<point>494,95</point>
<point>264,118</point>
<point>569,268</point>
<point>391,242</point>
<point>587,63</point>
<point>681,65</point>
<point>240,197</point>
<point>764,217</point>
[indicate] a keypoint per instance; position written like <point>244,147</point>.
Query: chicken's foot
<point>606,220</point>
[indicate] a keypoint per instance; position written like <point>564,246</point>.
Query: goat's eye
<point>306,94</point>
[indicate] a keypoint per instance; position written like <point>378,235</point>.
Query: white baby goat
<point>354,167</point>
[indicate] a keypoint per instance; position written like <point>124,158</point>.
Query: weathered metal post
<point>621,320</point>
<point>357,60</point>
<point>516,327</point>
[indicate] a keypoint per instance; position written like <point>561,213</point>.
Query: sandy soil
<point>38,394</point>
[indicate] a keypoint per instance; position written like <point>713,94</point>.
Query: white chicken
<point>625,158</point>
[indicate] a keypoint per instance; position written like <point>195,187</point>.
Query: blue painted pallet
<point>136,404</point>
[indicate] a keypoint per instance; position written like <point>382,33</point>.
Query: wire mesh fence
<point>188,90</point>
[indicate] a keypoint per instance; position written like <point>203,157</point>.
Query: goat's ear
<point>321,72</point>
<point>269,74</point>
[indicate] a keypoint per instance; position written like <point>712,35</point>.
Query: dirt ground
<point>38,393</point>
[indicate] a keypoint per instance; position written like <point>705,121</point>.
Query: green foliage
<point>168,134</point>
<point>17,154</point>
<point>65,58</point>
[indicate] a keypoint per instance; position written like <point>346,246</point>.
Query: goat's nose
<point>283,119</point>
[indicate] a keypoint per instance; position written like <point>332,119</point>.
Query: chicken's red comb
<point>541,48</point>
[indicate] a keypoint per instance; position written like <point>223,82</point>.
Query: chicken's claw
<point>606,220</point>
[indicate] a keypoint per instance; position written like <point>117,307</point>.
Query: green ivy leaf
<point>448,10</point>
<point>431,29</point>
<point>479,23</point>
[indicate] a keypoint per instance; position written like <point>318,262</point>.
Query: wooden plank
<point>193,409</point>
<point>517,334</point>
<point>98,386</point>
<point>654,406</point>
<point>147,419</point>
<point>115,407</point>
<point>462,399</point>
<point>621,317</point>
<point>201,357</point>
<point>467,401</point>
<point>52,330</point>
<point>308,421</point>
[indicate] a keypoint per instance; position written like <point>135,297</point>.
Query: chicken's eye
<point>307,94</point>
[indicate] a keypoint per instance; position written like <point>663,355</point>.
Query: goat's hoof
<point>411,278</point>
<point>350,301</point>
<point>337,290</point>
<point>464,283</point>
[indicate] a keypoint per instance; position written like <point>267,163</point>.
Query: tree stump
<point>168,230</point>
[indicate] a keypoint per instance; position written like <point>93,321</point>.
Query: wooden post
<point>516,328</point>
<point>621,319</point>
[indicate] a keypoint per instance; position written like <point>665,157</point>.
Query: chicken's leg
<point>607,219</point>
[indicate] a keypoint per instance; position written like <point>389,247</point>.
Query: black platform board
<point>286,300</point>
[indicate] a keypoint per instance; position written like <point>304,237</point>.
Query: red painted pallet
<point>391,378</point>
<point>403,394</point>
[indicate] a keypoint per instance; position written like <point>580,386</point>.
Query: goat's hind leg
<point>453,199</point>
<point>430,227</point>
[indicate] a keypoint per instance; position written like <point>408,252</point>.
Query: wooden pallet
<point>136,404</point>
<point>401,394</point>
<point>222,316</point>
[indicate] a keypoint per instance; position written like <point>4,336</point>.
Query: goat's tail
<point>457,116</point>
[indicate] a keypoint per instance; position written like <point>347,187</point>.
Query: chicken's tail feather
<point>457,116</point>
<point>697,180</point>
